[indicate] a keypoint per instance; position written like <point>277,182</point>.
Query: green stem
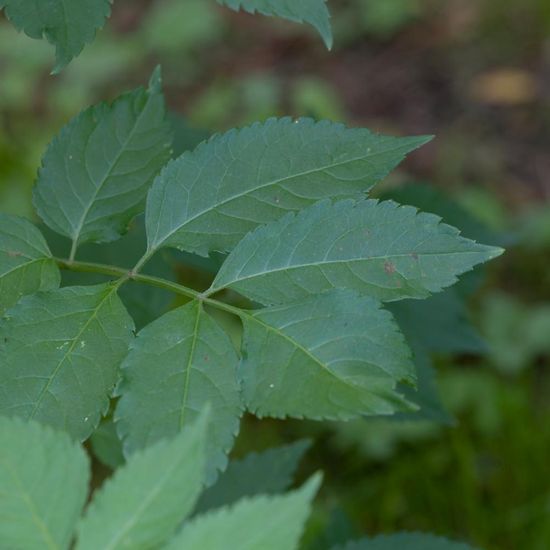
<point>130,275</point>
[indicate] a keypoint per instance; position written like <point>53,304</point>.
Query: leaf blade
<point>145,500</point>
<point>68,329</point>
<point>268,472</point>
<point>26,263</point>
<point>379,249</point>
<point>68,26</point>
<point>334,356</point>
<point>195,363</point>
<point>43,491</point>
<point>411,541</point>
<point>96,172</point>
<point>209,199</point>
<point>313,12</point>
<point>259,523</point>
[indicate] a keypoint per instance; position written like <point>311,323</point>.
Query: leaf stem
<point>125,275</point>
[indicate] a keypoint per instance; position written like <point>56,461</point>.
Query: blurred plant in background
<point>474,72</point>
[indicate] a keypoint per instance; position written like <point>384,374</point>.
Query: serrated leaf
<point>209,199</point>
<point>60,353</point>
<point>410,541</point>
<point>268,472</point>
<point>96,172</point>
<point>313,12</point>
<point>43,486</point>
<point>145,500</point>
<point>259,523</point>
<point>334,356</point>
<point>69,26</point>
<point>26,263</point>
<point>377,248</point>
<point>176,365</point>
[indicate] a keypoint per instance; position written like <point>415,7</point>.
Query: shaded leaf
<point>333,356</point>
<point>314,12</point>
<point>106,444</point>
<point>268,472</point>
<point>410,541</point>
<point>43,486</point>
<point>209,199</point>
<point>377,248</point>
<point>96,172</point>
<point>258,523</point>
<point>60,353</point>
<point>145,500</point>
<point>69,26</point>
<point>26,263</point>
<point>176,365</point>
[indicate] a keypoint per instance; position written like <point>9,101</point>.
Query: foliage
<point>304,262</point>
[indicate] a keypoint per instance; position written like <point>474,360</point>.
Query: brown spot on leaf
<point>414,256</point>
<point>389,268</point>
<point>14,253</point>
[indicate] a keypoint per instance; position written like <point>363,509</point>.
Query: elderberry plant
<point>101,340</point>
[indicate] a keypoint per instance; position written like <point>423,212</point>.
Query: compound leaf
<point>175,365</point>
<point>26,263</point>
<point>313,12</point>
<point>377,248</point>
<point>69,26</point>
<point>410,541</point>
<point>207,200</point>
<point>145,500</point>
<point>43,485</point>
<point>96,173</point>
<point>334,356</point>
<point>268,472</point>
<point>258,523</point>
<point>60,353</point>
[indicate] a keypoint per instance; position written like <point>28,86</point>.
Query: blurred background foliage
<point>474,72</point>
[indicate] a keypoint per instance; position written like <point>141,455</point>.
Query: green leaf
<point>43,486</point>
<point>333,356</point>
<point>314,12</point>
<point>445,326</point>
<point>209,199</point>
<point>410,541</point>
<point>145,500</point>
<point>26,263</point>
<point>259,523</point>
<point>269,472</point>
<point>106,444</point>
<point>96,172</point>
<point>60,353</point>
<point>176,365</point>
<point>377,248</point>
<point>69,26</point>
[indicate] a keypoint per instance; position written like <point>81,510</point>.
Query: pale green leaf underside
<point>177,364</point>
<point>333,356</point>
<point>380,249</point>
<point>314,12</point>
<point>408,541</point>
<point>69,26</point>
<point>259,523</point>
<point>145,500</point>
<point>210,198</point>
<point>26,264</point>
<point>43,486</point>
<point>96,172</point>
<point>268,472</point>
<point>60,353</point>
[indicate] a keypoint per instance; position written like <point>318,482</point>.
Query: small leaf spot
<point>389,267</point>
